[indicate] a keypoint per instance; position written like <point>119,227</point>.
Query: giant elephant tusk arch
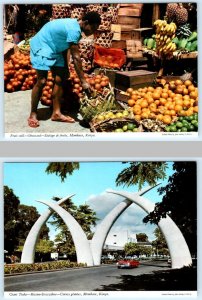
<point>179,251</point>
<point>81,243</point>
<point>28,252</point>
<point>104,227</point>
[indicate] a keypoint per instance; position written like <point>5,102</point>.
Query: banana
<point>168,47</point>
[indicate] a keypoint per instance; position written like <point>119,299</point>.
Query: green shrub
<point>54,265</point>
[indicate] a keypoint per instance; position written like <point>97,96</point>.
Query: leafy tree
<point>85,216</point>
<point>28,215</point>
<point>136,249</point>
<point>142,237</point>
<point>179,201</point>
<point>159,243</point>
<point>18,220</point>
<point>45,246</point>
<point>62,169</point>
<point>11,214</point>
<point>142,172</point>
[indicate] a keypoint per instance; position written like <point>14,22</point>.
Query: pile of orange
<point>164,103</point>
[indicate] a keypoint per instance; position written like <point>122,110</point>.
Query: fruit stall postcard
<point>139,80</point>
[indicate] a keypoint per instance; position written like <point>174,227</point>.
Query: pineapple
<point>171,11</point>
<point>181,15</point>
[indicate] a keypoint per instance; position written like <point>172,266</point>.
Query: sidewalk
<point>17,109</point>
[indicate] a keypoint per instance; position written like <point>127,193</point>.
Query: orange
<point>150,89</point>
<point>187,82</point>
<point>159,117</point>
<point>178,107</point>
<point>137,117</point>
<point>129,90</point>
<point>133,96</point>
<point>186,97</point>
<point>131,102</point>
<point>179,89</point>
<point>186,103</point>
<point>156,95</point>
<point>185,91</point>
<point>144,103</point>
<point>136,111</point>
<point>178,82</point>
<point>172,112</point>
<point>152,115</point>
<point>167,119</point>
<point>191,88</point>
<point>195,109</point>
<point>193,94</point>
<point>190,111</point>
<point>179,102</point>
<point>162,101</point>
<point>164,95</point>
<point>144,115</point>
<point>182,113</point>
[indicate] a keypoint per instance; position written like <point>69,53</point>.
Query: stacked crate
<point>129,18</point>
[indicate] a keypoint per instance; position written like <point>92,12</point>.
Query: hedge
<point>53,265</point>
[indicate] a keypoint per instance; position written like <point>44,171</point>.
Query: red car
<point>128,263</point>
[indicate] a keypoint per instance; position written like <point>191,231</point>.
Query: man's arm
<point>74,49</point>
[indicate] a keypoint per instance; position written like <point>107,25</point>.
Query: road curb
<point>45,271</point>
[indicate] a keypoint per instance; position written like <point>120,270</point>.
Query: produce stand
<point>133,90</point>
<point>176,54</point>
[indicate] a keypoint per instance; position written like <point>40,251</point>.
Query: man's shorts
<point>43,63</point>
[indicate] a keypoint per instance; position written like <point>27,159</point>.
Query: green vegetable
<point>176,40</point>
<point>193,46</point>
<point>150,43</point>
<point>188,46</point>
<point>192,37</point>
<point>145,41</point>
<point>130,126</point>
<point>182,43</point>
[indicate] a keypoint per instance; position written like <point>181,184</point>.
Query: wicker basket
<point>89,108</point>
<point>104,39</point>
<point>61,11</point>
<point>77,12</point>
<point>110,125</point>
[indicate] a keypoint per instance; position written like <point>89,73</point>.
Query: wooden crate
<point>134,79</point>
<point>130,12</point>
<point>129,21</point>
<point>137,33</point>
<point>134,48</point>
<point>135,5</point>
<point>126,35</point>
<point>116,29</point>
<point>119,44</point>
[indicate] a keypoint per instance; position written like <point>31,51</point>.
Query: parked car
<point>128,263</point>
<point>169,262</point>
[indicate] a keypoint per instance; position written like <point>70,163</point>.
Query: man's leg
<point>35,97</point>
<point>59,74</point>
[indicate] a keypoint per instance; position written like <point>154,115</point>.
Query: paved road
<point>86,279</point>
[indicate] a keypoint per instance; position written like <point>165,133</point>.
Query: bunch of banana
<point>165,33</point>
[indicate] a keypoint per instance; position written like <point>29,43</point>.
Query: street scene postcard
<point>105,228</point>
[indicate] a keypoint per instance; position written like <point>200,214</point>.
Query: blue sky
<point>30,182</point>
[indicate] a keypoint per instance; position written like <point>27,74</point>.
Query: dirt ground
<point>17,110</point>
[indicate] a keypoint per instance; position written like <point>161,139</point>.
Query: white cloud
<point>130,220</point>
